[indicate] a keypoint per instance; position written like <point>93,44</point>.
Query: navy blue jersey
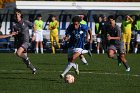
<point>77,36</point>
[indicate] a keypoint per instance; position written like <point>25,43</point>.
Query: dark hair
<point>19,11</point>
<point>39,15</point>
<point>112,17</point>
<point>76,19</point>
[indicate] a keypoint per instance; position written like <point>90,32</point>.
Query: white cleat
<point>128,69</point>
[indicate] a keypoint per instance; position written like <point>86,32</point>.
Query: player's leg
<point>71,58</point>
<point>123,59</point>
<point>83,59</point>
<point>128,42</point>
<point>41,42</point>
<point>22,54</point>
<point>37,42</point>
<point>124,40</point>
<point>52,44</point>
<point>98,45</point>
<point>57,41</point>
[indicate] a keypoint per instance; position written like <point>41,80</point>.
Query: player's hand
<point>108,37</point>
<point>14,33</point>
<point>33,38</point>
<point>53,27</point>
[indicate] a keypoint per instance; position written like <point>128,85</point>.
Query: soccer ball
<point>69,78</point>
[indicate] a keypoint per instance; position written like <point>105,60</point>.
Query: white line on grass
<point>84,72</point>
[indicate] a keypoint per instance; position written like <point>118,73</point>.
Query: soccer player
<point>137,28</point>
<point>38,33</point>
<point>75,33</point>
<point>126,32</point>
<point>89,40</point>
<point>53,27</point>
<point>21,27</point>
<point>98,31</point>
<point>115,43</point>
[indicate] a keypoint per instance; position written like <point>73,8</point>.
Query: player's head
<point>112,20</point>
<point>82,16</point>
<point>53,17</point>
<point>100,19</point>
<point>104,18</point>
<point>18,14</point>
<point>39,16</point>
<point>76,22</point>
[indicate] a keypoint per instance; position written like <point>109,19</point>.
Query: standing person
<point>82,58</point>
<point>98,32</point>
<point>137,32</point>
<point>104,28</point>
<point>38,33</point>
<point>115,43</point>
<point>75,33</point>
<point>53,27</point>
<point>21,27</point>
<point>126,32</point>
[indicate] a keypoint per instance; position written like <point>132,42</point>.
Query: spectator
<point>53,27</point>
<point>38,33</point>
<point>126,32</point>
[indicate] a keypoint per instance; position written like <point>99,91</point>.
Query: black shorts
<point>24,45</point>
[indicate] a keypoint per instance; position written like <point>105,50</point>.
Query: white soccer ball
<point>69,78</point>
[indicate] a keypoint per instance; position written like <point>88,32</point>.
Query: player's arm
<point>49,27</point>
<point>130,19</point>
<point>9,35</point>
<point>34,33</point>
<point>118,36</point>
<point>90,34</point>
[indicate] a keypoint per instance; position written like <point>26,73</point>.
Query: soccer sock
<point>53,50</point>
<point>68,67</point>
<point>41,50</point>
<point>84,51</point>
<point>136,49</point>
<point>128,47</point>
<point>126,64</point>
<point>97,51</point>
<point>37,50</point>
<point>31,67</point>
<point>84,60</point>
<point>103,51</point>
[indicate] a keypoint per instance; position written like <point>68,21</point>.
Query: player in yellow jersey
<point>126,32</point>
<point>38,32</point>
<point>53,27</point>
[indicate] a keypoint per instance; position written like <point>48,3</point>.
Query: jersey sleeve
<point>28,23</point>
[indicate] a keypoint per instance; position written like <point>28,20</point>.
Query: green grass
<point>16,78</point>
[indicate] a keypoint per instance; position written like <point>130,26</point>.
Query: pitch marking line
<point>84,72</point>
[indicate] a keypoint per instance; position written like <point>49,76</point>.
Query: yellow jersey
<point>38,25</point>
<point>127,25</point>
<point>53,27</point>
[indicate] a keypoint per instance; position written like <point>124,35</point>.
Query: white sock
<point>103,51</point>
<point>36,50</point>
<point>97,51</point>
<point>84,51</point>
<point>68,67</point>
<point>74,65</point>
<point>41,50</point>
<point>136,49</point>
<point>84,60</point>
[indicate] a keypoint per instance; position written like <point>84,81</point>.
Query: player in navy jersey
<point>76,34</point>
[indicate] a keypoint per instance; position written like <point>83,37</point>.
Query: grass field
<point>102,75</point>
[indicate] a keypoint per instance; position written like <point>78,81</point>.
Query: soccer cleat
<point>86,64</point>
<point>77,70</point>
<point>89,53</point>
<point>61,75</point>
<point>34,71</point>
<point>128,69</point>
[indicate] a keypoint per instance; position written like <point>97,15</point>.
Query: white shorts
<point>73,50</point>
<point>98,39</point>
<point>39,35</point>
<point>138,37</point>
